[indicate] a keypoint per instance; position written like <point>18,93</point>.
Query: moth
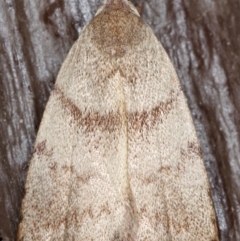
<point>116,156</point>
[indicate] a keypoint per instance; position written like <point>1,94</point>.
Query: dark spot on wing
<point>149,118</point>
<point>90,121</point>
<point>41,149</point>
<point>193,149</point>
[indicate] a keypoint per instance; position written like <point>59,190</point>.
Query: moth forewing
<point>116,156</point>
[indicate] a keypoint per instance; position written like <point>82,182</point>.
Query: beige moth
<point>117,157</point>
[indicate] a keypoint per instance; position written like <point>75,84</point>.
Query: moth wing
<point>168,177</point>
<point>116,156</point>
<point>74,182</point>
<point>44,205</point>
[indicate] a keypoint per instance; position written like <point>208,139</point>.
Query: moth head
<point>117,5</point>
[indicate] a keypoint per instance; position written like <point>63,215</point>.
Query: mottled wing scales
<point>117,157</point>
<point>44,207</point>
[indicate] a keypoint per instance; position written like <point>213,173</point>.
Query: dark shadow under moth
<point>116,156</point>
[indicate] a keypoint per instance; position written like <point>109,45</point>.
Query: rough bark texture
<point>202,39</point>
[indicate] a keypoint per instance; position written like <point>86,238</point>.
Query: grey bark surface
<point>201,38</point>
